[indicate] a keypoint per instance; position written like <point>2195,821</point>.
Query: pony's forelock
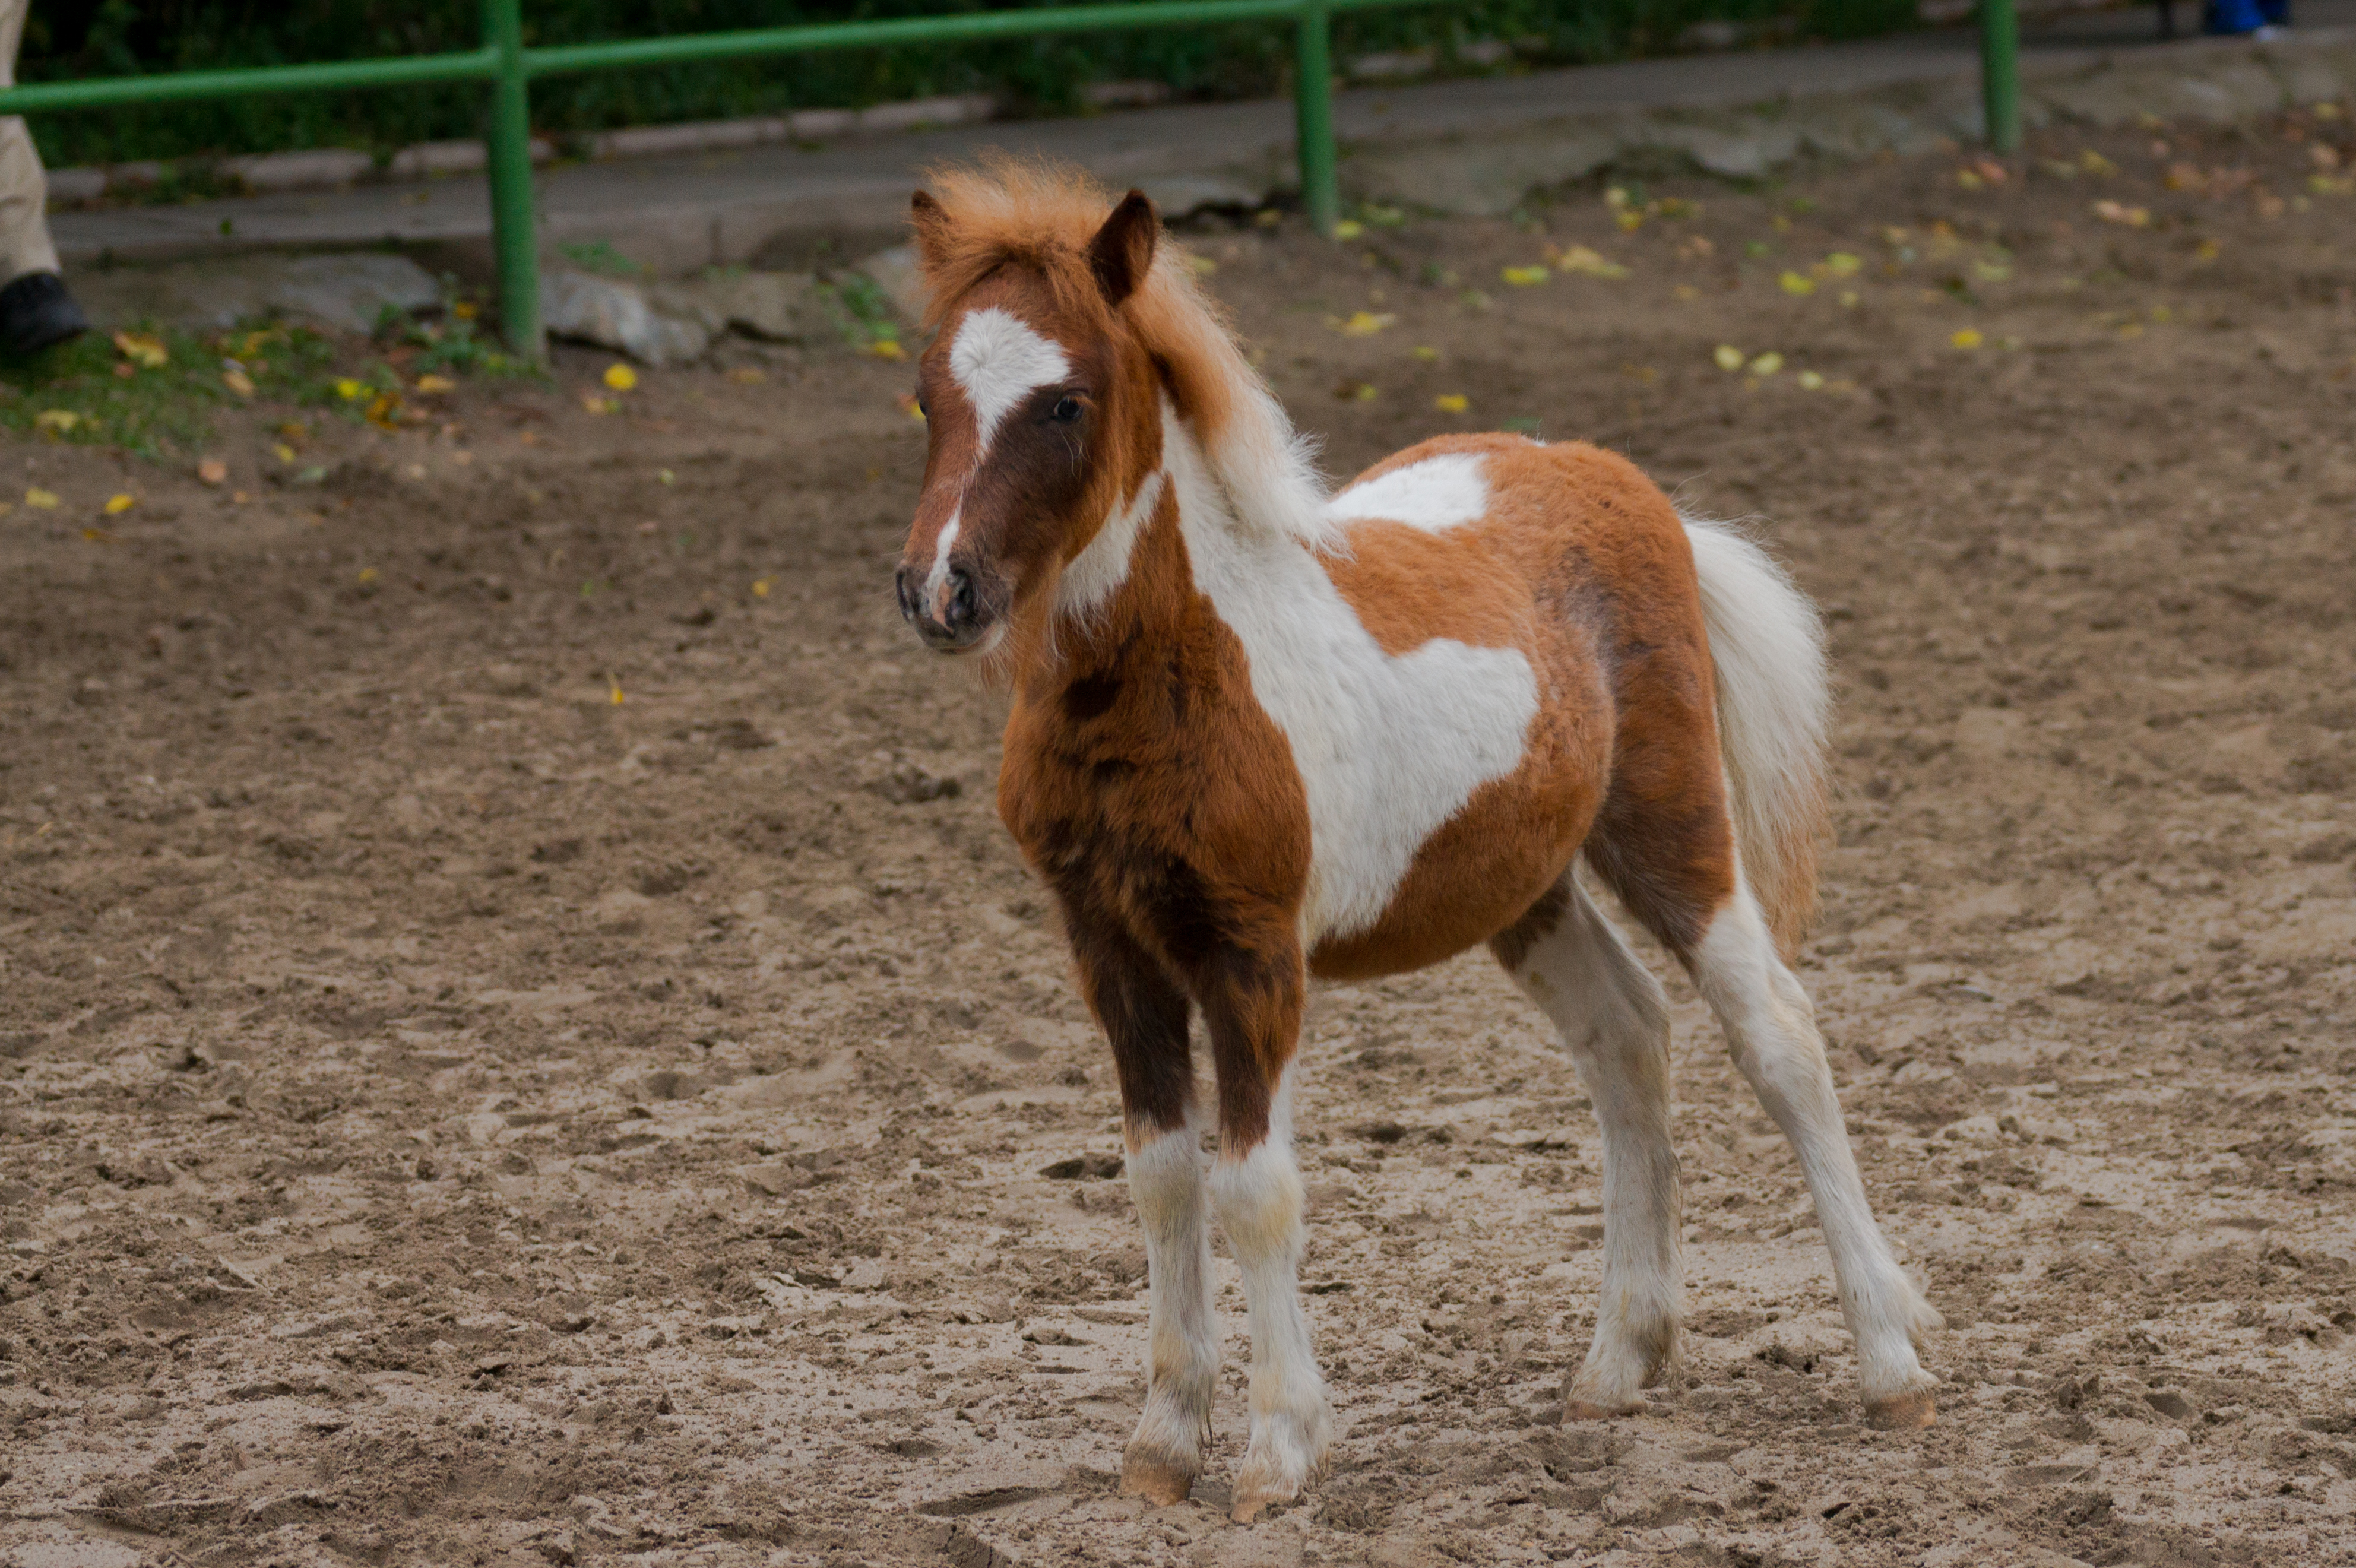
<point>1041,215</point>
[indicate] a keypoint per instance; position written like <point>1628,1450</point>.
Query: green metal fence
<point>508,66</point>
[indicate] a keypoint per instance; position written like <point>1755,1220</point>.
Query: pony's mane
<point>1041,215</point>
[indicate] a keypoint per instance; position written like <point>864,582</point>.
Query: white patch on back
<point>999,361</point>
<point>1103,565</point>
<point>1388,749</point>
<point>1438,493</point>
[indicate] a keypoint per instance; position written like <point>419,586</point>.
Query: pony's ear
<point>930,220</point>
<point>1123,248</point>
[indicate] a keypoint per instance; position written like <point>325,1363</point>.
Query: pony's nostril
<point>960,611</point>
<point>905,586</point>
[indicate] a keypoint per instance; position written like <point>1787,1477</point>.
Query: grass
<point>155,393</point>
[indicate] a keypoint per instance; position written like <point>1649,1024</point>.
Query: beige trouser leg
<point>24,191</point>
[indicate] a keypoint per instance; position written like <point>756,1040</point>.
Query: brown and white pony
<point>1261,732</point>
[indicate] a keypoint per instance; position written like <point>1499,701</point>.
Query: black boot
<point>36,313</point>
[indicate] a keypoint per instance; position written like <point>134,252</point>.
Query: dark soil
<point>522,1039</point>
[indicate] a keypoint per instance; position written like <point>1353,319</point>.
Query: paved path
<point>681,212</point>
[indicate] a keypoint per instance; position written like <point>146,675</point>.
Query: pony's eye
<point>1065,412</point>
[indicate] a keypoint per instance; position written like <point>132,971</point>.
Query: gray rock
<point>896,273</point>
<point>349,291</point>
<point>782,307</point>
<point>616,315</point>
<point>1183,195</point>
<point>1739,146</point>
<point>2312,76</point>
<point>1483,179</point>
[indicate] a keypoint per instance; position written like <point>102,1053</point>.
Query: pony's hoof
<point>1577,1409</point>
<point>1906,1412</point>
<point>1250,1501</point>
<point>1160,1482</point>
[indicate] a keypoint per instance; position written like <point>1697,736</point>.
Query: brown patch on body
<point>1582,563</point>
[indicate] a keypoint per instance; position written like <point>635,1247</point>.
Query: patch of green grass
<point>73,393</point>
<point>102,391</point>
<point>866,314</point>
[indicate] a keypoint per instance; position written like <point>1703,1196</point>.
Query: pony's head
<point>1038,396</point>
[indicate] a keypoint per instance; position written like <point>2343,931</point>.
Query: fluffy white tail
<point>1774,716</point>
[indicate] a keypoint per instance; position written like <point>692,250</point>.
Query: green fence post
<point>2001,73</point>
<point>1312,103</point>
<point>513,237</point>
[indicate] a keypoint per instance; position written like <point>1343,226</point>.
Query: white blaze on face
<point>939,574</point>
<point>999,361</point>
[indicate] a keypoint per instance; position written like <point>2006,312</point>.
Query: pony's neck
<point>1186,493</point>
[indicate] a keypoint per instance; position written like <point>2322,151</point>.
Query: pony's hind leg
<point>1145,1015</point>
<point>1568,958</point>
<point>1772,1029</point>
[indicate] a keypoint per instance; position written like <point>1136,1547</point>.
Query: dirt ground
<point>522,1040</point>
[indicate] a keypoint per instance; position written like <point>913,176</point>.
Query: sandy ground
<point>523,1041</point>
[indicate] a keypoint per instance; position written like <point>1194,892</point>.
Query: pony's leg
<point>1251,1003</point>
<point>1569,959</point>
<point>1771,1030</point>
<point>1145,1015</point>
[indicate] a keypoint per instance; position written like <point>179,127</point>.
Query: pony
<point>1260,731</point>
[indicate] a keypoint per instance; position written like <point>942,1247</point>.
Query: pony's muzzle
<point>947,614</point>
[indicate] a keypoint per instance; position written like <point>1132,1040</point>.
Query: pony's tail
<point>1774,716</point>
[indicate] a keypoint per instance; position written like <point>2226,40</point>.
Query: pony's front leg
<point>1251,1003</point>
<point>1145,1016</point>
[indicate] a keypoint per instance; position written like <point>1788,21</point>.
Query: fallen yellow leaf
<point>1523,277</point>
<point>620,377</point>
<point>1360,324</point>
<point>1797,283</point>
<point>436,384</point>
<point>2129,217</point>
<point>283,453</point>
<point>464,309</point>
<point>1967,337</point>
<point>98,535</point>
<point>1348,229</point>
<point>143,348</point>
<point>1810,381</point>
<point>1451,402</point>
<point>1201,266</point>
<point>118,505</point>
<point>348,389</point>
<point>592,403</point>
<point>2094,163</point>
<point>614,692</point>
<point>1729,357</point>
<point>1428,355</point>
<point>47,500</point>
<point>1841,264</point>
<point>241,383</point>
<point>1581,258</point>
<point>367,574</point>
<point>761,586</point>
<point>886,348</point>
<point>1767,364</point>
<point>56,421</point>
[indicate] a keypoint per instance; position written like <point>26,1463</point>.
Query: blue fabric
<point>2228,17</point>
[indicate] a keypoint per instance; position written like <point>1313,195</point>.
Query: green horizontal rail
<point>970,27</point>
<point>172,87</point>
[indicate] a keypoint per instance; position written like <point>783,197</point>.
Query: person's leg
<point>36,310</point>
